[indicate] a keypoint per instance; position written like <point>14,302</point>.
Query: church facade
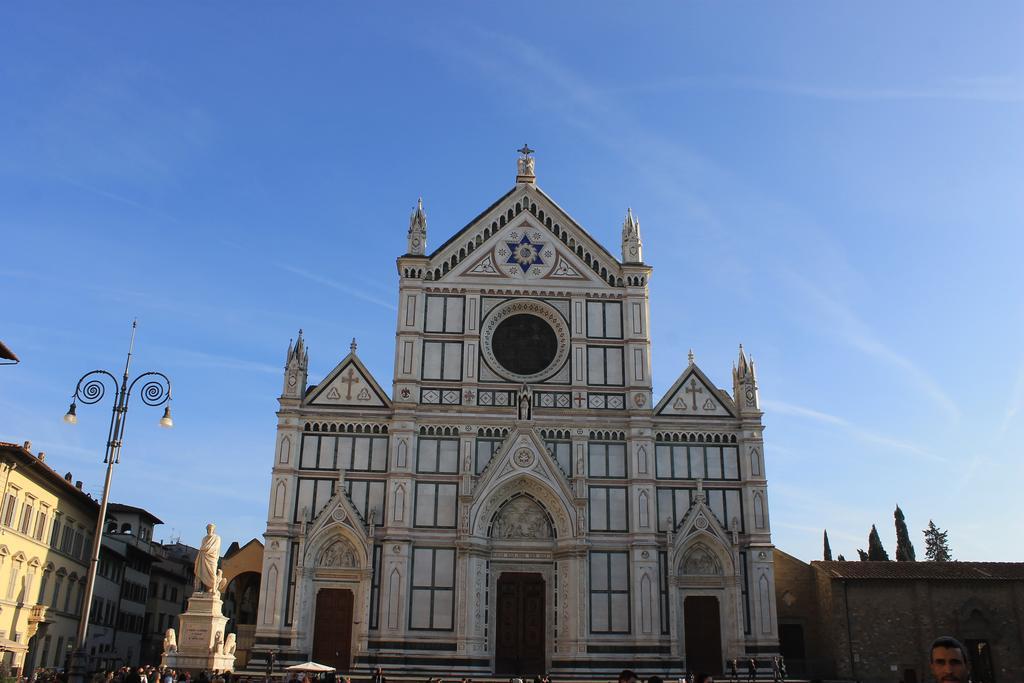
<point>520,501</point>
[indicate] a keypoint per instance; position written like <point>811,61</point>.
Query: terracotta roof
<point>28,458</point>
<point>937,571</point>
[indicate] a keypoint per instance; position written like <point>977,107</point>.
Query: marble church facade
<point>519,501</point>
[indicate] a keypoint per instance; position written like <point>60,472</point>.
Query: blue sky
<point>835,185</point>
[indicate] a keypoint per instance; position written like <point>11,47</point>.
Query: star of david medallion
<point>525,253</point>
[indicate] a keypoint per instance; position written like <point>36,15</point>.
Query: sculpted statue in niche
<point>522,518</point>
<point>338,554</point>
<point>700,563</point>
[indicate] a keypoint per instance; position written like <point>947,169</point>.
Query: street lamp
<point>91,387</point>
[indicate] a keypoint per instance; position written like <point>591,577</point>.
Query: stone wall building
<point>874,621</point>
<point>520,501</point>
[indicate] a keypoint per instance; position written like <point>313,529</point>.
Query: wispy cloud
<point>979,89</point>
<point>340,286</point>
<point>201,359</point>
<point>846,326</point>
<point>784,408</point>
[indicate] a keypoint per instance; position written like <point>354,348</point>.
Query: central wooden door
<point>520,626</point>
<point>703,634</point>
<point>332,628</point>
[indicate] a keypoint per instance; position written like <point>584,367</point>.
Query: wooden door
<point>703,634</point>
<point>520,626</point>
<point>332,629</point>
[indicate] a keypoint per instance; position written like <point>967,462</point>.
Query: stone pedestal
<point>201,641</point>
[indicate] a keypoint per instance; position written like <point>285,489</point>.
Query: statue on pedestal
<point>206,562</point>
<point>170,641</point>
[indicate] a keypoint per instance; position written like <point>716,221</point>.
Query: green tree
<point>863,555</point>
<point>828,550</point>
<point>936,544</point>
<point>876,553</point>
<point>904,548</point>
<point>841,558</point>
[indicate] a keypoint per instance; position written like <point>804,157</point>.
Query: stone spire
<point>632,245</point>
<point>744,383</point>
<point>417,230</point>
<point>524,166</point>
<point>295,368</point>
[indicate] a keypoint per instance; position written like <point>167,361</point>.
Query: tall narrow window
<point>444,314</point>
<point>607,460</point>
<point>604,319</point>
<point>432,600</point>
<point>609,592</point>
<point>437,455</point>
<point>604,365</point>
<point>442,360</point>
<point>608,509</point>
<point>435,505</point>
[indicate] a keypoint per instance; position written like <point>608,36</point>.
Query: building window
<point>26,515</point>
<point>696,462</point>
<point>375,589</point>
<point>437,455</point>
<point>724,503</point>
<point>41,520</point>
<point>10,505</point>
<point>485,450</point>
<point>442,360</point>
<point>561,451</point>
<point>609,592</point>
<point>604,319</point>
<point>444,314</point>
<point>42,586</point>
<point>56,591</point>
<point>607,460</point>
<point>313,494</point>
<point>432,603</point>
<point>608,509</point>
<point>435,505</point>
<point>352,453</point>
<point>367,496</point>
<point>604,365</point>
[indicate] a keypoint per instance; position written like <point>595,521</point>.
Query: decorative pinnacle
<point>352,346</point>
<point>690,356</point>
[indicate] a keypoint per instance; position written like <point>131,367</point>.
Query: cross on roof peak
<point>525,150</point>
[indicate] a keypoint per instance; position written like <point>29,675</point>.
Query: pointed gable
<point>349,384</point>
<point>525,236</point>
<point>693,394</point>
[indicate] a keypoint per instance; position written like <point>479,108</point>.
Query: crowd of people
<point>143,674</point>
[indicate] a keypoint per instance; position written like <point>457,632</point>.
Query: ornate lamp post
<point>91,388</point>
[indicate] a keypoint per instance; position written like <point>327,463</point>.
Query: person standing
<point>751,669</point>
<point>734,672</point>
<point>378,676</point>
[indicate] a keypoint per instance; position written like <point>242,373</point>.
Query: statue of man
<point>206,561</point>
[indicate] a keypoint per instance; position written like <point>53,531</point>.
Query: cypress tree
<point>841,558</point>
<point>863,555</point>
<point>876,553</point>
<point>936,544</point>
<point>904,548</point>
<point>828,550</point>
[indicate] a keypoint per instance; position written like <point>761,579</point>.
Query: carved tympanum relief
<point>521,518</point>
<point>338,554</point>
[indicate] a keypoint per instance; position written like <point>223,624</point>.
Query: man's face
<point>948,665</point>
